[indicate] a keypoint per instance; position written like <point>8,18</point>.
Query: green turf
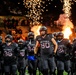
<point>38,73</point>
<point>65,73</point>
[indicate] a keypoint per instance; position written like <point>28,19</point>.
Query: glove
<point>54,54</point>
<point>66,55</point>
<point>35,55</point>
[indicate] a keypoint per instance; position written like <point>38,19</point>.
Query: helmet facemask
<point>8,40</point>
<point>31,35</point>
<point>60,36</point>
<point>0,40</point>
<point>21,43</point>
<point>43,31</point>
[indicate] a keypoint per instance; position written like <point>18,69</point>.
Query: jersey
<point>46,45</point>
<point>63,49</point>
<point>30,46</point>
<point>22,52</point>
<point>74,52</point>
<point>10,53</point>
<point>1,51</point>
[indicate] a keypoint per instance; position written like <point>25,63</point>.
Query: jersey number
<point>60,50</point>
<point>8,53</point>
<point>45,45</point>
<point>22,53</point>
<point>31,48</point>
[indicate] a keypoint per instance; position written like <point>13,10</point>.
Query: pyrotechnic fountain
<point>64,19</point>
<point>35,9</point>
<point>68,25</point>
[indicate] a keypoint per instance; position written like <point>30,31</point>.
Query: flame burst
<point>67,28</point>
<point>36,29</point>
<point>67,25</point>
<point>67,32</point>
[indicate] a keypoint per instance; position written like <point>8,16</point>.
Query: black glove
<point>66,55</point>
<point>54,54</point>
<point>35,55</point>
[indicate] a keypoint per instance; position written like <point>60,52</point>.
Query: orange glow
<point>67,32</point>
<point>35,29</point>
<point>66,23</point>
<point>67,28</point>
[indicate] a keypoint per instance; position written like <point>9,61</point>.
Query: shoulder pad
<point>38,37</point>
<point>26,42</point>
<point>3,45</point>
<point>50,36</point>
<point>15,44</point>
<point>67,40</point>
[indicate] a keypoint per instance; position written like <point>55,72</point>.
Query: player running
<point>32,61</point>
<point>45,42</point>
<point>21,57</point>
<point>63,54</point>
<point>10,56</point>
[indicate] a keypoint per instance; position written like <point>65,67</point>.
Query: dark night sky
<point>55,8</point>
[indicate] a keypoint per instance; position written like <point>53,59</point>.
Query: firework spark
<point>34,9</point>
<point>67,7</point>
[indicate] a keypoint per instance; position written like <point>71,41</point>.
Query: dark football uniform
<point>32,61</point>
<point>9,54</point>
<point>46,53</point>
<point>10,58</point>
<point>1,60</point>
<point>45,43</point>
<point>63,56</point>
<point>21,57</point>
<point>73,59</point>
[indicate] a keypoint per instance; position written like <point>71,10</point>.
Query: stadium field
<point>40,73</point>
